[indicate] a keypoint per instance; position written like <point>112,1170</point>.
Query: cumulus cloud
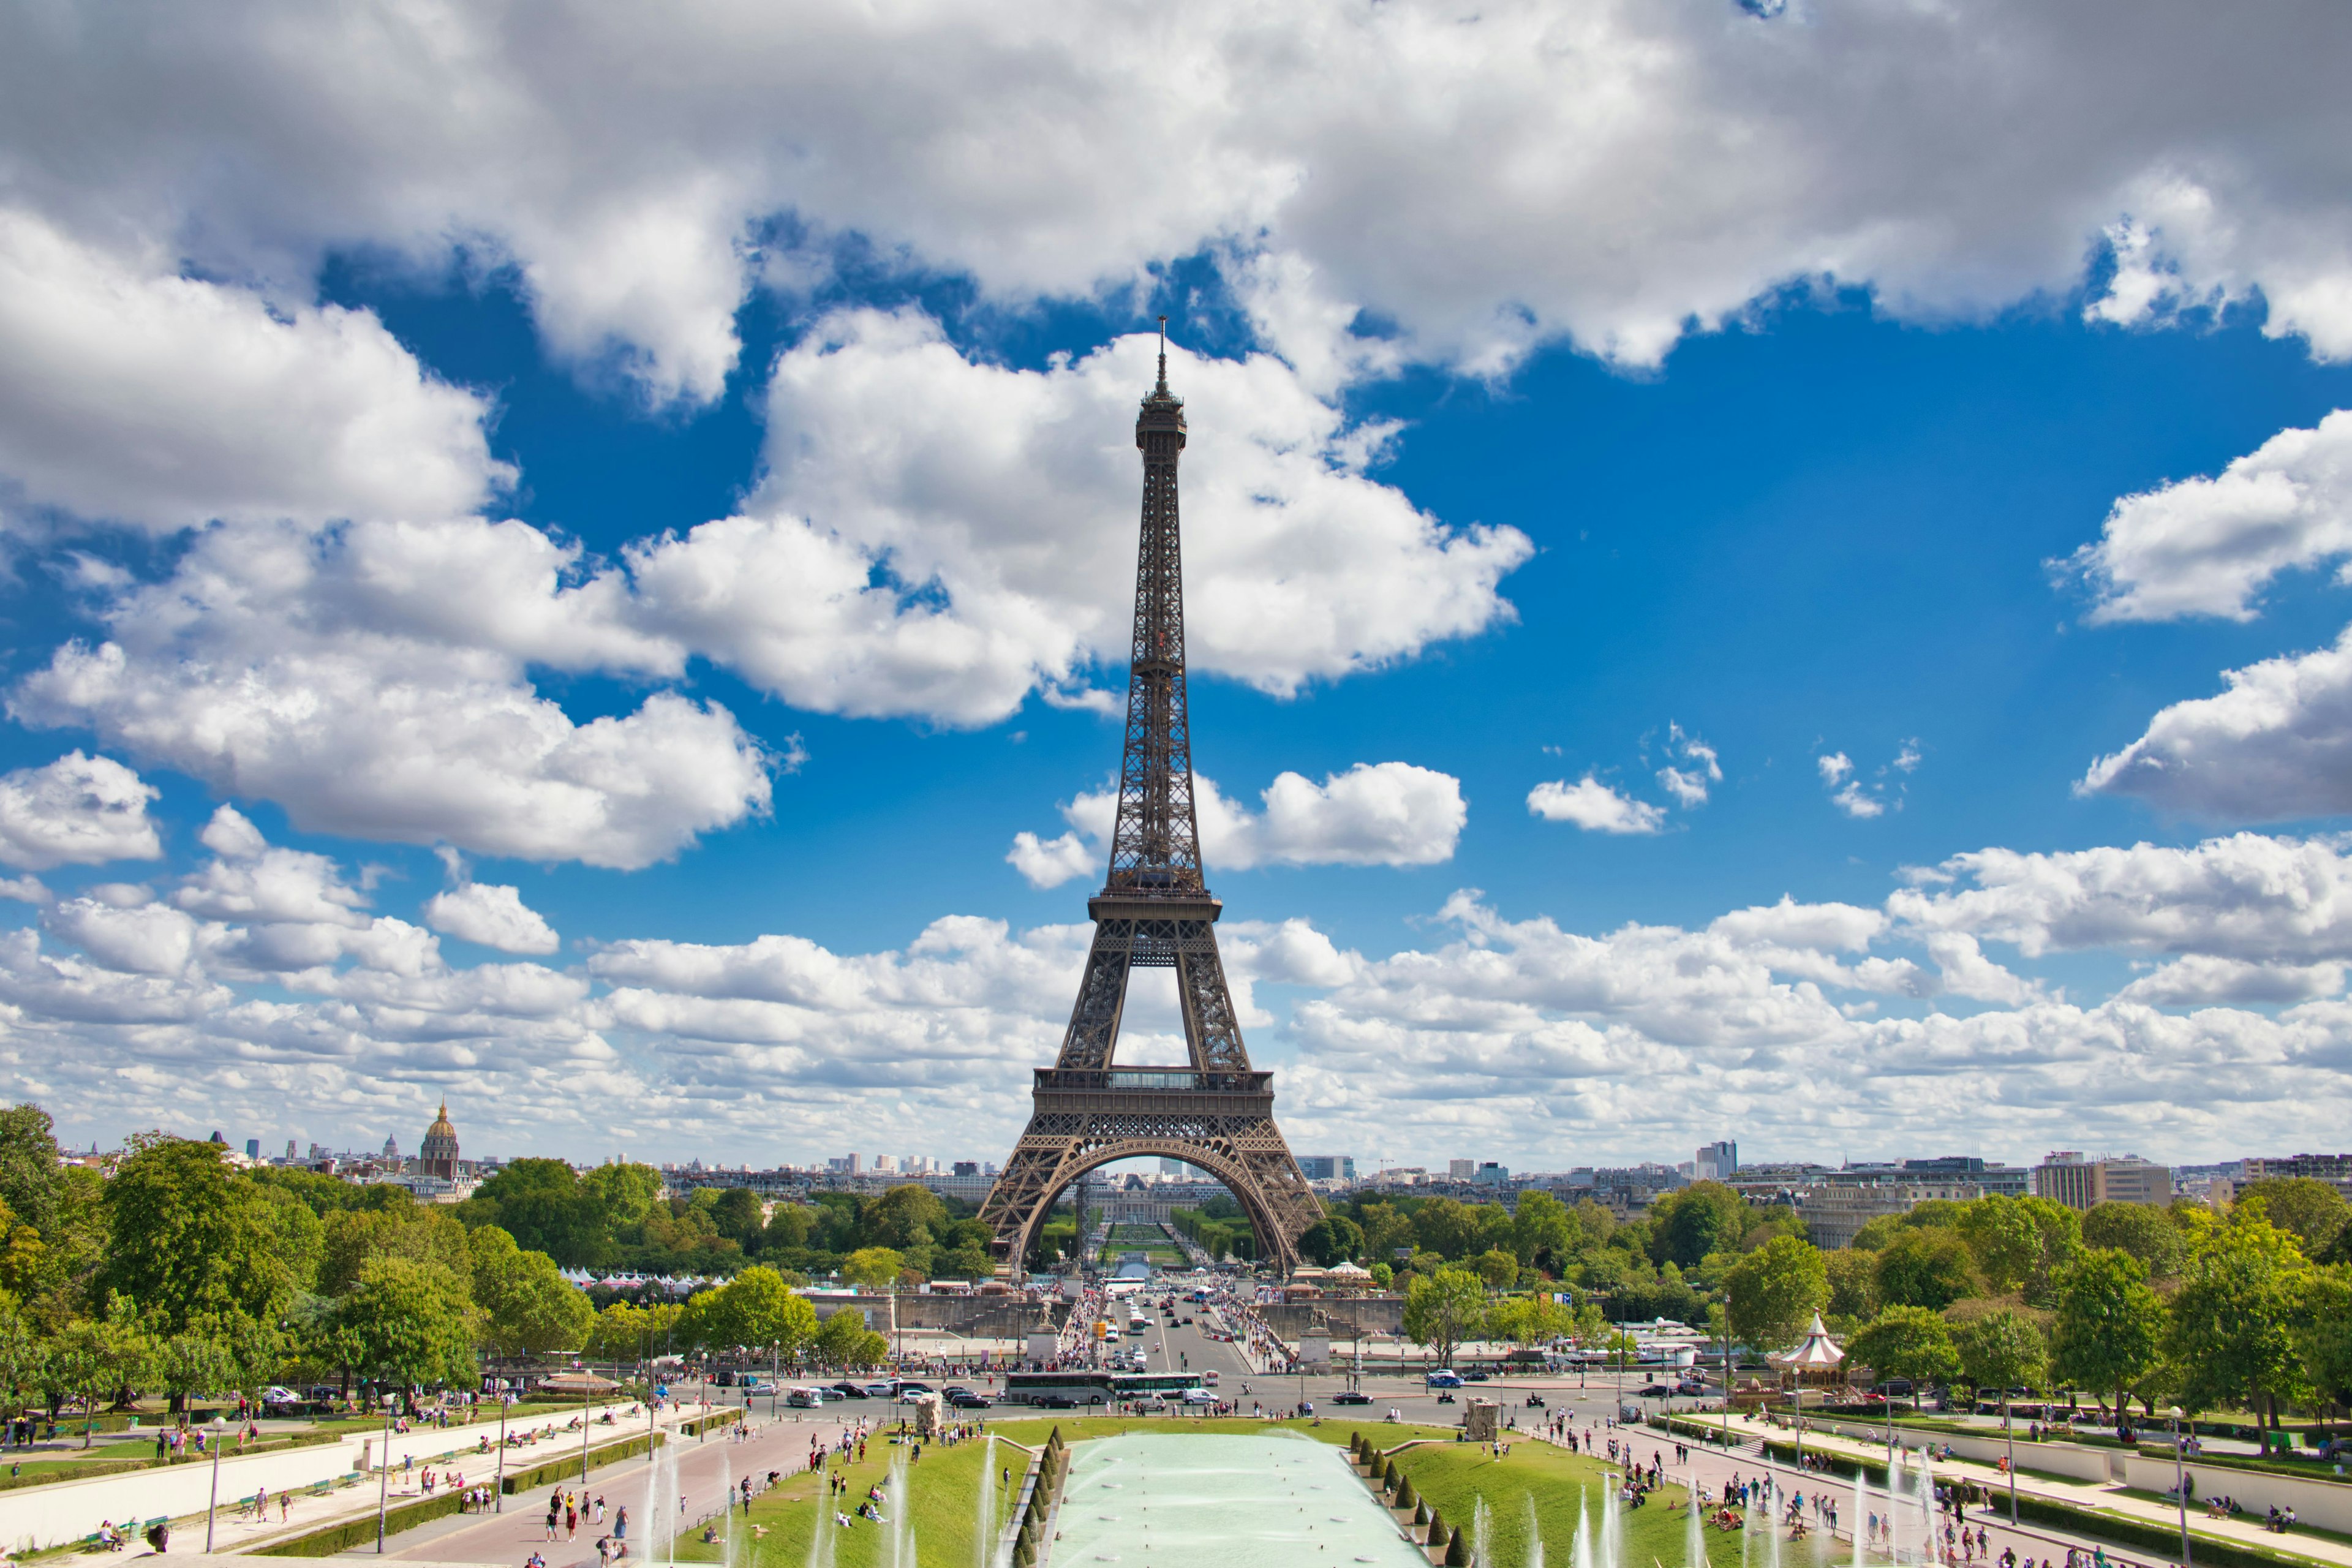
<point>1594,807</point>
<point>132,393</point>
<point>1695,768</point>
<point>2201,978</point>
<point>2209,546</point>
<point>1864,799</point>
<point>2275,746</point>
<point>373,682</point>
<point>79,810</point>
<point>494,916</point>
<point>2250,898</point>
<point>1615,174</point>
<point>1375,813</point>
<point>942,536</point>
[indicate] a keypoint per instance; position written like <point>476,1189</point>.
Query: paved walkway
<point>1712,1466</point>
<point>35,1517</point>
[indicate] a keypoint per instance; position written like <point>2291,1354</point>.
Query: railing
<point>1082,1080</point>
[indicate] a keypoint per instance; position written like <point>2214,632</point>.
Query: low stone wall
<point>974,1317</point>
<point>1340,1316</point>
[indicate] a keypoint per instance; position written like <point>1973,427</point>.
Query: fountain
<point>1694,1529</point>
<point>1482,1532</point>
<point>1861,1513</point>
<point>899,1492</point>
<point>1923,1489</point>
<point>1534,1532</point>
<point>983,1525</point>
<point>657,1520</point>
<point>1579,1553</point>
<point>1259,1501</point>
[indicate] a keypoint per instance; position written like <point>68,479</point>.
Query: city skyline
<point>1755,573</point>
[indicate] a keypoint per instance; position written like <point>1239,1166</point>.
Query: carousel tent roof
<point>577,1383</point>
<point>1345,1269</point>
<point>1815,1352</point>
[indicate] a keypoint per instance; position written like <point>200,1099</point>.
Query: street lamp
<point>1727,1371</point>
<point>2179,1483</point>
<point>499,1487</point>
<point>383,1474</point>
<point>218,1426</point>
<point>2009,1438</point>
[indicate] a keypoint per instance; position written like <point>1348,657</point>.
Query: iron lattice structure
<point>1155,909</point>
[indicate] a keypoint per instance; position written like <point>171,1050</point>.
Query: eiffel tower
<point>1215,1113</point>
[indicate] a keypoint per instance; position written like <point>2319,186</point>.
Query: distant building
<point>1326,1167</point>
<point>253,1149</point>
<point>1768,1183</point>
<point>2336,1170</point>
<point>437,1157</point>
<point>391,1147</point>
<point>1837,1207</point>
<point>967,1168</point>
<point>2067,1177</point>
<point>1491,1174</point>
<point>885,1163</point>
<point>1716,1162</point>
<point>1998,1181</point>
<point>1461,1170</point>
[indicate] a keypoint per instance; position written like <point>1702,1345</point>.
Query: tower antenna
<point>1163,353</point>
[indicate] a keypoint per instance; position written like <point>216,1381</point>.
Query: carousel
<point>1816,1361</point>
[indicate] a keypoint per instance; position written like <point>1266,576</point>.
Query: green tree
<point>97,1356</point>
<point>31,1182</point>
<point>1929,1269</point>
<point>2233,1317</point>
<point>526,1306</point>
<point>22,1351</point>
<point>409,1323</point>
<point>1331,1239</point>
<point>903,1219</point>
<point>789,1226</point>
<point>349,1239</point>
<point>1853,1277</point>
<point>875,1268</point>
<point>1442,1308</point>
<point>544,1206</point>
<point>1544,1232</point>
<point>737,1215</point>
<point>1775,1291</point>
<point>2110,1325</point>
<point>626,1193</point>
<point>2005,1240</point>
<point>2002,1350</point>
<point>756,1309</point>
<point>191,1362</point>
<point>1908,1341</point>
<point>2323,1334</point>
<point>1687,1224</point>
<point>1529,1320</point>
<point>190,1235</point>
<point>2314,1212</point>
<point>1384,1275</point>
<point>1497,1267</point>
<point>840,1338</point>
<point>2144,1230</point>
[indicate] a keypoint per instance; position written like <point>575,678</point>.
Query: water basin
<point>1237,1502</point>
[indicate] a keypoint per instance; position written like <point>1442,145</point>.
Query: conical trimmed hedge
<point>1406,1497</point>
<point>1390,1480</point>
<point>1420,1513</point>
<point>1437,1532</point>
<point>1457,1552</point>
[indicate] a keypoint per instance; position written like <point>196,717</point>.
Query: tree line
<point>179,1274</point>
<point>2247,1305</point>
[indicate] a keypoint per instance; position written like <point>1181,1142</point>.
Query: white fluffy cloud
<point>1594,807</point>
<point>494,916</point>
<point>2248,898</point>
<point>941,536</point>
<point>1375,813</point>
<point>1613,173</point>
<point>371,680</point>
<point>79,810</point>
<point>263,977</point>
<point>1695,768</point>
<point>2275,746</point>
<point>2209,546</point>
<point>131,393</point>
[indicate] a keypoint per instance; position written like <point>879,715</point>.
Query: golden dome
<point>441,1127</point>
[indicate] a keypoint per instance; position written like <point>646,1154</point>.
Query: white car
<point>1198,1396</point>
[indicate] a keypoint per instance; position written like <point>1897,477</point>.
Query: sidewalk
<point>32,1518</point>
<point>2245,1530</point>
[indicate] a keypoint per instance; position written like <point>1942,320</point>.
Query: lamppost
<point>383,1474</point>
<point>2179,1483</point>
<point>2009,1438</point>
<point>1727,1371</point>
<point>218,1426</point>
<point>499,1487</point>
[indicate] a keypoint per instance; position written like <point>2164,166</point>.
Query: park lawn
<point>945,1484</point>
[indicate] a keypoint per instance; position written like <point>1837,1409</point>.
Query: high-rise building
<point>1998,1181</point>
<point>253,1148</point>
<point>2067,1177</point>
<point>886,1163</point>
<point>1492,1174</point>
<point>1461,1170</point>
<point>1328,1167</point>
<point>1716,1162</point>
<point>289,1148</point>
<point>967,1167</point>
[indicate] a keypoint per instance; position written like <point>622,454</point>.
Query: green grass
<point>945,1485</point>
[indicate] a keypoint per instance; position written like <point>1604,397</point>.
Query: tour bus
<point>1083,1388</point>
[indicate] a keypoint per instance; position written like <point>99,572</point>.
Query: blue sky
<point>567,603</point>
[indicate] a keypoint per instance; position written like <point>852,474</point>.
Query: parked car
<point>1353,1397</point>
<point>908,1386</point>
<point>847,1390</point>
<point>1477,1374</point>
<point>965,1399</point>
<point>878,1391</point>
<point>1690,1388</point>
<point>1656,1391</point>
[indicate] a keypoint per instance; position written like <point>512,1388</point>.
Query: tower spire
<point>1162,387</point>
